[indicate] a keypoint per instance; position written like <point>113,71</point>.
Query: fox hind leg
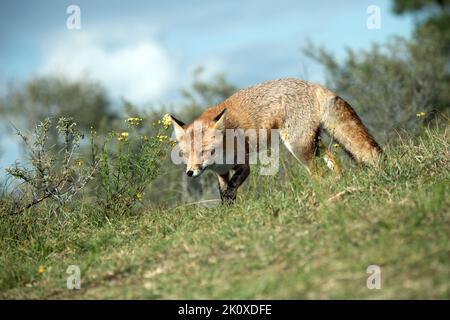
<point>302,147</point>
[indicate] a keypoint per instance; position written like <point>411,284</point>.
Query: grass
<point>288,236</point>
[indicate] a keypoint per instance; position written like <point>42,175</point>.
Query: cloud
<point>136,68</point>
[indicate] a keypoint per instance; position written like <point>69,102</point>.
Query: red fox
<point>299,110</point>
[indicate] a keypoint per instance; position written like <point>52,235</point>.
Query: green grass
<point>284,238</point>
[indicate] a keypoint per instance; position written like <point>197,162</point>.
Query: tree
<point>403,6</point>
<point>434,20</point>
<point>43,97</point>
<point>390,83</point>
<point>433,30</point>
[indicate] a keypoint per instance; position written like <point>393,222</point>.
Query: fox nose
<point>189,173</point>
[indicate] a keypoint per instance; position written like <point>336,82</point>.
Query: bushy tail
<point>343,124</point>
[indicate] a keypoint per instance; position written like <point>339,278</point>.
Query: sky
<point>145,51</point>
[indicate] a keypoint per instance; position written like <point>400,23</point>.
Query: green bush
<point>118,169</point>
<point>53,175</point>
<point>128,162</point>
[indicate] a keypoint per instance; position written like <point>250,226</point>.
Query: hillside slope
<point>288,236</point>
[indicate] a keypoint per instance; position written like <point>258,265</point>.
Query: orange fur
<point>297,108</point>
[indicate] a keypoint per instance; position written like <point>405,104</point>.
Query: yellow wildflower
<point>336,145</point>
<point>162,138</point>
<point>166,120</point>
<point>123,136</point>
<point>41,269</point>
<point>420,114</point>
<point>134,121</point>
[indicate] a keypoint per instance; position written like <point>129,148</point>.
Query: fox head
<point>199,141</point>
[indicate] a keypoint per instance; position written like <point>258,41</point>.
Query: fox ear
<point>178,127</point>
<point>220,120</point>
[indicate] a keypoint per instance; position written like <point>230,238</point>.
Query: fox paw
<point>229,196</point>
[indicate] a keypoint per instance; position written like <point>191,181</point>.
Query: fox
<point>300,110</point>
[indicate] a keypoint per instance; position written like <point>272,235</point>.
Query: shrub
<point>128,162</point>
<point>56,175</point>
<point>121,167</point>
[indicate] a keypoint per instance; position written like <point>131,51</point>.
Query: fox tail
<point>343,124</point>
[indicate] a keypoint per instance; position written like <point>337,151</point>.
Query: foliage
<point>56,175</point>
<point>85,102</point>
<point>403,6</point>
<point>389,83</point>
<point>122,167</point>
<point>128,162</point>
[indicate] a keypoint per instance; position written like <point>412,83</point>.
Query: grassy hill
<point>288,236</point>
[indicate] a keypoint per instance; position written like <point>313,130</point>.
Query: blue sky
<point>146,50</point>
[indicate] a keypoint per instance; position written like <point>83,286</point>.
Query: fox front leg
<point>241,173</point>
<point>223,183</point>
